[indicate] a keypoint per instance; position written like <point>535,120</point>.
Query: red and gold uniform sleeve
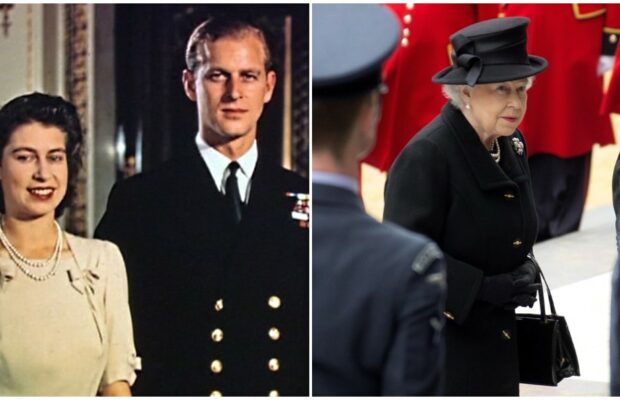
<point>413,100</point>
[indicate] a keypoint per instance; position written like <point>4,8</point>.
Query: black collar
<point>489,174</point>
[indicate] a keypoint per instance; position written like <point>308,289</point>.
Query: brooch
<point>518,146</point>
<point>301,209</point>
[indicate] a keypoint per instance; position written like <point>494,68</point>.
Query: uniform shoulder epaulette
<point>427,256</point>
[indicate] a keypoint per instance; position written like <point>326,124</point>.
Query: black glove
<point>524,299</point>
<point>497,289</point>
<point>524,274</point>
<point>509,288</point>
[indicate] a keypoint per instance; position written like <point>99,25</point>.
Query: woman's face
<point>496,109</point>
<point>34,171</point>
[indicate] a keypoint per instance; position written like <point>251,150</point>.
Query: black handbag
<point>546,351</point>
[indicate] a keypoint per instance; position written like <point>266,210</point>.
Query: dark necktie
<point>232,192</point>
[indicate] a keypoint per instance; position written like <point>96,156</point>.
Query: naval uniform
<point>218,308</point>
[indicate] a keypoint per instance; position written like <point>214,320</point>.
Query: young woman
<point>65,325</point>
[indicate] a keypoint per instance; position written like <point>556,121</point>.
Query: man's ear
<point>189,84</point>
<point>270,86</point>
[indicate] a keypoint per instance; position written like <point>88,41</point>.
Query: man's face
<point>230,88</point>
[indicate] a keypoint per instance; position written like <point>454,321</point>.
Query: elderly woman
<point>65,327</point>
<point>464,182</point>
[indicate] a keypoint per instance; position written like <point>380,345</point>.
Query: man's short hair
<point>216,27</point>
<point>333,120</point>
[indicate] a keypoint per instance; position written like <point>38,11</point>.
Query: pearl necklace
<point>24,263</point>
<point>498,154</point>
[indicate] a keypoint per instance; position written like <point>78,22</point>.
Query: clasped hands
<point>511,289</point>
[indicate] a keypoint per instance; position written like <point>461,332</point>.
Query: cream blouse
<point>71,334</point>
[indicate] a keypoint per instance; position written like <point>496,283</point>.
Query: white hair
<point>453,92</point>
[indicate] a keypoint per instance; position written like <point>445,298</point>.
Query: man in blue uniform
<point>217,264</point>
<point>378,290</point>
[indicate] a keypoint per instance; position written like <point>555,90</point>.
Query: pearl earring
<point>467,106</point>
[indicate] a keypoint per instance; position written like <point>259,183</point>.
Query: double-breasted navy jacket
<point>445,185</point>
<point>218,308</point>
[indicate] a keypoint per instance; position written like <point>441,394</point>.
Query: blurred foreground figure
<point>378,290</point>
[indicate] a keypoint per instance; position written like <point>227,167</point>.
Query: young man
<point>377,289</point>
<point>217,265</point>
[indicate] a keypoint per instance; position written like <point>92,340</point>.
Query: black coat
<point>376,320</point>
<point>183,254</point>
<point>445,185</point>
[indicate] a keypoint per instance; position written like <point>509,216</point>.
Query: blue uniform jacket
<point>378,294</point>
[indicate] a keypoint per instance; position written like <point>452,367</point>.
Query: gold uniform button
<point>219,305</point>
<point>410,6</point>
<point>216,393</point>
<point>506,334</point>
<point>274,333</point>
<point>613,38</point>
<point>406,32</point>
<point>407,19</point>
<point>274,393</point>
<point>274,364</point>
<point>216,366</point>
<point>448,315</point>
<point>274,302</point>
<point>501,15</point>
<point>217,335</point>
<point>509,196</point>
<point>517,243</point>
<point>404,42</point>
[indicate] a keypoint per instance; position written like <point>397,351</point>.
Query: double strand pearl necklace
<point>24,264</point>
<point>497,155</point>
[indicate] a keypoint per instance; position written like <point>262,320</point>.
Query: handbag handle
<point>541,295</point>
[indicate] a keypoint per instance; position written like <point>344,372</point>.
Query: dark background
<point>150,57</point>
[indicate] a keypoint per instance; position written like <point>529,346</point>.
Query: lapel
<point>84,274</point>
<point>267,195</point>
<point>487,173</point>
<point>83,261</point>
<point>513,163</point>
<point>193,201</point>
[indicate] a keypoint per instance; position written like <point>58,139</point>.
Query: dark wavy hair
<point>52,111</point>
<point>224,25</point>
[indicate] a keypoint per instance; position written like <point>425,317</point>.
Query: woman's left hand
<point>118,388</point>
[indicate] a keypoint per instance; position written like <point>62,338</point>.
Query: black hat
<point>491,51</point>
<point>349,44</point>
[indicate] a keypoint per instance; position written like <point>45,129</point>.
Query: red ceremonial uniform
<point>413,100</point>
<point>611,101</point>
<point>562,117</point>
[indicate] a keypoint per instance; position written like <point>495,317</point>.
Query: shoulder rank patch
<point>426,257</point>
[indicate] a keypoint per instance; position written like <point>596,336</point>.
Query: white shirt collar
<point>217,164</point>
